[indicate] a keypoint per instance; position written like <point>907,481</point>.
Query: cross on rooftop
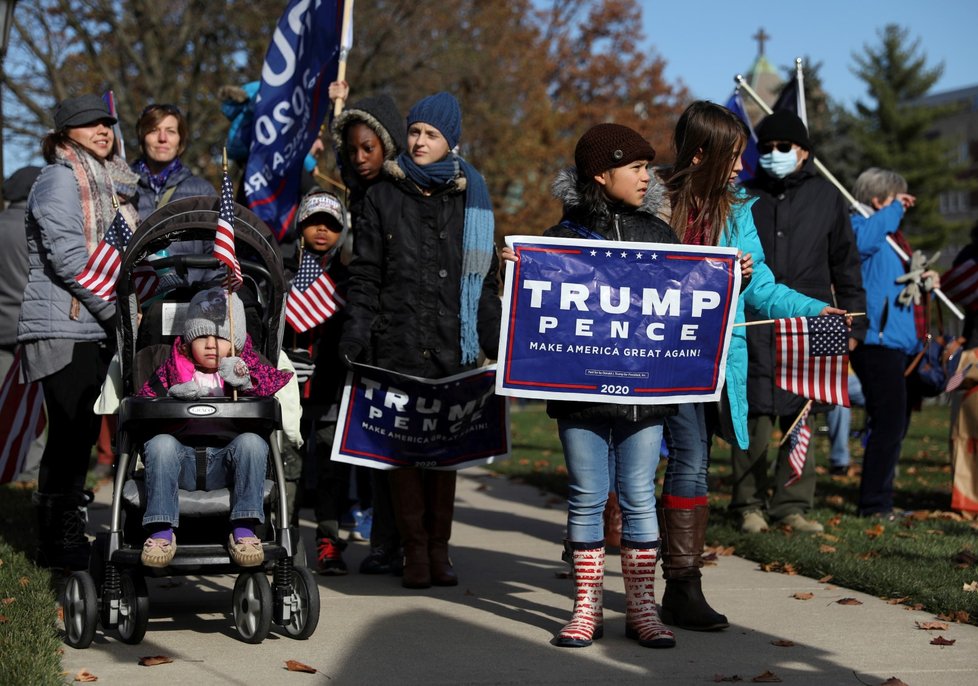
<point>760,37</point>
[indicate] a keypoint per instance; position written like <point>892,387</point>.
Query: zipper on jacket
<point>616,222</point>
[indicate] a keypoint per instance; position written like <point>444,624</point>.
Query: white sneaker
<point>753,522</point>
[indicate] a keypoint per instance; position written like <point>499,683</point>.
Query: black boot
<point>683,603</point>
<point>61,522</point>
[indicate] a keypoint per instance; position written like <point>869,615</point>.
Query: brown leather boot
<point>440,510</point>
<point>612,522</point>
<point>407,496</point>
<point>683,603</point>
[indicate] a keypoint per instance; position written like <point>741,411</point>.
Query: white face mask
<point>779,164</point>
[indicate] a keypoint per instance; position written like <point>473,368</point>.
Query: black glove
<point>302,363</point>
<point>349,353</point>
<point>110,325</point>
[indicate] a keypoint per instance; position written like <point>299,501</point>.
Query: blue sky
<point>705,43</point>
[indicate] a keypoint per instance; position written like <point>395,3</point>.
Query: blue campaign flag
<point>292,102</point>
<point>750,154</point>
<point>609,321</point>
<point>388,420</point>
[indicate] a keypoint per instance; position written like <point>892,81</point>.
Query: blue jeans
<point>839,420</point>
<point>689,452</point>
<point>171,465</point>
<point>589,447</point>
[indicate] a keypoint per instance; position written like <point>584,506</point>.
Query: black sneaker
<point>329,558</point>
<point>377,562</point>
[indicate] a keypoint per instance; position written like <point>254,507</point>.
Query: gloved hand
<point>303,364</point>
<point>349,353</point>
<point>914,280</point>
<point>235,372</point>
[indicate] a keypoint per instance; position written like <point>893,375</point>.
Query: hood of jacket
<point>565,189</point>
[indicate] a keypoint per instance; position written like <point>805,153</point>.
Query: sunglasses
<point>163,107</point>
<point>765,148</point>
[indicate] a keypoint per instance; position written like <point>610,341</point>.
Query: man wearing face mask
<point>803,224</point>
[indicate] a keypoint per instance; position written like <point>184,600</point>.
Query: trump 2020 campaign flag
<point>292,102</point>
<point>750,155</point>
<point>811,358</point>
<point>616,322</point>
<point>388,420</point>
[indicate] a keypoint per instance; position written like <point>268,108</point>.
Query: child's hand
<point>235,372</point>
<point>508,255</point>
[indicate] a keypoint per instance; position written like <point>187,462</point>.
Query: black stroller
<point>113,591</point>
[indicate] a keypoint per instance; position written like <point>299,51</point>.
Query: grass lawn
<point>924,558</point>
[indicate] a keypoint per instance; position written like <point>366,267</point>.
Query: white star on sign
<point>594,253</point>
<point>607,254</point>
<point>654,256</point>
<point>638,256</point>
<point>624,254</point>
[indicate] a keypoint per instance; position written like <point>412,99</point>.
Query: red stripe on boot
<point>678,502</point>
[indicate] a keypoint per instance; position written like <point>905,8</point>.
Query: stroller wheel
<point>133,608</point>
<point>252,600</point>
<point>80,604</point>
<point>304,602</point>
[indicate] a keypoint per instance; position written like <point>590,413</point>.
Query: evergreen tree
<point>891,130</point>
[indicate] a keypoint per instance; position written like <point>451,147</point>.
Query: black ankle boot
<point>61,522</point>
<point>683,605</point>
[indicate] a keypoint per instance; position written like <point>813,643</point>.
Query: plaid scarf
<point>157,182</point>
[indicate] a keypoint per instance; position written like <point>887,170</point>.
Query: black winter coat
<point>803,224</point>
<point>615,223</point>
<point>405,281</point>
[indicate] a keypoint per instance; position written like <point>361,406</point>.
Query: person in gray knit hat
<point>207,315</point>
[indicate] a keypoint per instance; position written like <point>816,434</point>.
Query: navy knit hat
<point>783,126</point>
<point>442,111</point>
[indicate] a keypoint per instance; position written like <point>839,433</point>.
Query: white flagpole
<point>802,108</point>
<point>856,205</point>
<point>346,42</point>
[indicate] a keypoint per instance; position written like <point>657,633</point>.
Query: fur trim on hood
<point>565,189</point>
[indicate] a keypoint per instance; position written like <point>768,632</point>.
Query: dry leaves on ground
<point>23,581</point>
<point>897,601</point>
<point>783,643</point>
<point>826,548</point>
<point>153,660</point>
<point>767,677</point>
<point>825,579</point>
<point>965,558</point>
<point>868,555</point>
<point>7,601</point>
<point>971,588</point>
<point>932,626</point>
<point>835,501</point>
<point>848,601</point>
<point>85,677</point>
<point>960,616</point>
<point>803,596</point>
<point>875,531</point>
<point>941,641</point>
<point>724,550</point>
<point>779,567</point>
<point>296,666</point>
<point>3,619</point>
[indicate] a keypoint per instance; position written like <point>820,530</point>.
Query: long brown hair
<point>700,193</point>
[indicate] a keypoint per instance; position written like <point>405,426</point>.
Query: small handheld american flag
<point>313,297</point>
<point>800,437</point>
<point>224,238</point>
<point>812,358</point>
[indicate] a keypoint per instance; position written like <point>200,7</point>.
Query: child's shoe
<point>352,517</point>
<point>361,532</point>
<point>329,557</point>
<point>246,551</point>
<point>158,552</point>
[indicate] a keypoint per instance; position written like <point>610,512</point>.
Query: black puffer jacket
<point>405,281</point>
<point>803,224</point>
<point>615,223</point>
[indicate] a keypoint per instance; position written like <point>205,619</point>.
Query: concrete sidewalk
<point>495,627</point>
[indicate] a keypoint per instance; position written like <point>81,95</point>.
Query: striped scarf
<point>477,238</point>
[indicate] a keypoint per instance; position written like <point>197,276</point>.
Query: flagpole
<point>344,52</point>
<point>230,305</point>
<point>856,205</point>
<point>791,428</point>
<point>771,321</point>
<point>802,107</point>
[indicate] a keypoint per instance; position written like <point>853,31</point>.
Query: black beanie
<point>783,126</point>
<point>607,146</point>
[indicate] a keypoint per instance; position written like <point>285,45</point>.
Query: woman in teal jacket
<point>706,208</point>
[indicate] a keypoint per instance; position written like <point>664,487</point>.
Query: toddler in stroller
<point>202,364</point>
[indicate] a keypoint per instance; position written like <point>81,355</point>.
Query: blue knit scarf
<point>477,238</point>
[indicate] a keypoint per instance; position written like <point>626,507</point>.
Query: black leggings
<point>73,426</point>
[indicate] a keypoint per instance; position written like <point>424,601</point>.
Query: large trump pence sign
<point>640,323</point>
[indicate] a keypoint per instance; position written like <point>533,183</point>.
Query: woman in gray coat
<point>67,332</point>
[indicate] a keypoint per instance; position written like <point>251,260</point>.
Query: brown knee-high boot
<point>439,511</point>
<point>407,495</point>
<point>683,603</point>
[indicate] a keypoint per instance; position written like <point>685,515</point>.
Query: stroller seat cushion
<point>192,503</point>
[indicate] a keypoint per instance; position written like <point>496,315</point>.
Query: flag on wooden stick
<point>224,239</point>
<point>801,436</point>
<point>313,298</point>
<point>102,270</point>
<point>812,358</point>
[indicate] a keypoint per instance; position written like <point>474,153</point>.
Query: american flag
<point>957,378</point>
<point>313,298</point>
<point>102,270</point>
<point>812,358</point>
<point>801,436</point>
<point>224,239</point>
<point>960,284</point>
<point>22,420</point>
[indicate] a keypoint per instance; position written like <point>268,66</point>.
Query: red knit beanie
<point>607,146</point>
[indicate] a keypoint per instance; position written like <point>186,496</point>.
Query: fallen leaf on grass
<point>960,616</point>
<point>61,614</point>
<point>897,601</point>
<point>720,677</point>
<point>720,550</point>
<point>848,601</point>
<point>935,532</point>
<point>783,643</point>
<point>831,538</point>
<point>7,601</point>
<point>835,501</point>
<point>917,607</point>
<point>941,641</point>
<point>3,619</point>
<point>23,581</point>
<point>826,548</point>
<point>971,588</point>
<point>868,555</point>
<point>876,531</point>
<point>296,666</point>
<point>779,567</point>
<point>893,681</point>
<point>825,579</point>
<point>932,626</point>
<point>835,521</point>
<point>803,596</point>
<point>767,677</point>
<point>85,677</point>
<point>153,660</point>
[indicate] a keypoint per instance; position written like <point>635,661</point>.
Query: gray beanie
<point>207,316</point>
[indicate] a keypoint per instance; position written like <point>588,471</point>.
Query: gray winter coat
<point>13,269</point>
<point>56,254</point>
<point>186,185</point>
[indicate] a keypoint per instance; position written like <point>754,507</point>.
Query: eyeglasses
<point>163,107</point>
<point>765,148</point>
